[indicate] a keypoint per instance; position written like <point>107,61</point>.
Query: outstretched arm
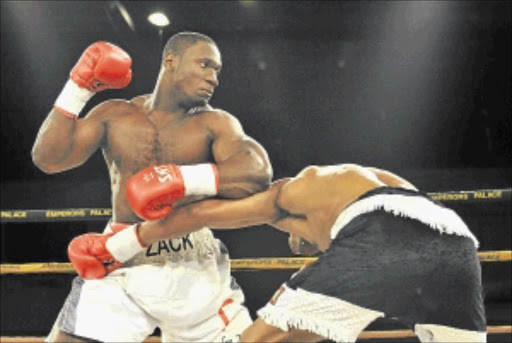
<point>259,208</point>
<point>96,255</point>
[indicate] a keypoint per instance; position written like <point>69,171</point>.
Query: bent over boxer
<point>387,250</point>
<point>183,150</point>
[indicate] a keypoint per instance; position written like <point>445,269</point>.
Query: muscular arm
<point>63,143</point>
<point>259,208</point>
<point>243,164</point>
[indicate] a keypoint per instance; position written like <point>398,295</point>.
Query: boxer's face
<point>196,73</point>
<point>300,246</point>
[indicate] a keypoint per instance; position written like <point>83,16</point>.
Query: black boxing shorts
<point>394,253</point>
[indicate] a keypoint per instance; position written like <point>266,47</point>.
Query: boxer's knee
<point>57,335</point>
<point>237,324</point>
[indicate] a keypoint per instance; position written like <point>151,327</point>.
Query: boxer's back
<point>135,140</point>
<point>321,193</point>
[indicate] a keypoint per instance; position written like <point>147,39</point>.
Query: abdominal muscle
<point>121,211</point>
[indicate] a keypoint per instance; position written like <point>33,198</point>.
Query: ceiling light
<point>158,19</point>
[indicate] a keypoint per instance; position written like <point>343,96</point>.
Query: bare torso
<point>135,140</point>
<point>319,194</point>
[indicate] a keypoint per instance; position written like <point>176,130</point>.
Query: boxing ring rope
<point>89,214</point>
<point>491,330</point>
<point>264,263</point>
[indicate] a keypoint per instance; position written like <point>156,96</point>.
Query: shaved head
<point>179,42</point>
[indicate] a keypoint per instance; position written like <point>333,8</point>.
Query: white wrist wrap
<point>125,244</point>
<point>200,179</point>
<point>73,98</point>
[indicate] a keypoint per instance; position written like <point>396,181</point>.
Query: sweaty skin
<point>174,124</point>
<point>159,128</point>
<point>305,206</point>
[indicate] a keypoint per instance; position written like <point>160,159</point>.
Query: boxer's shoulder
<point>218,121</point>
<point>119,108</point>
<point>141,101</point>
<point>138,103</point>
<point>209,113</point>
<point>112,107</point>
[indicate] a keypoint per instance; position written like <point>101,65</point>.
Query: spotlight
<point>158,19</point>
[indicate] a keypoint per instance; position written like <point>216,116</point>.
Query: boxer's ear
<point>169,61</point>
<point>307,248</point>
<point>300,246</point>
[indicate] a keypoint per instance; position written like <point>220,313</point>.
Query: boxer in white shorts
<point>183,286</point>
<point>190,151</point>
<point>387,250</point>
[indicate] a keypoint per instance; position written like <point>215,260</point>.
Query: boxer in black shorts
<point>389,265</point>
<point>387,250</point>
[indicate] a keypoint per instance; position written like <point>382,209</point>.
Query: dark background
<point>420,88</point>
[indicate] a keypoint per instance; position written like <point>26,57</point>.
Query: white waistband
<point>197,245</point>
<point>438,218</point>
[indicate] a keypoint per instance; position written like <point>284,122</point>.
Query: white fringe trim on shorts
<point>326,316</point>
<point>437,217</point>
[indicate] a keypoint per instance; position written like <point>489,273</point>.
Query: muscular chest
<point>133,146</point>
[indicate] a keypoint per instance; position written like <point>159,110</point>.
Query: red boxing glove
<point>94,255</point>
<point>152,192</point>
<point>101,66</point>
<point>89,256</point>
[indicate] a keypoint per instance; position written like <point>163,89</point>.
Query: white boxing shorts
<point>182,286</point>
